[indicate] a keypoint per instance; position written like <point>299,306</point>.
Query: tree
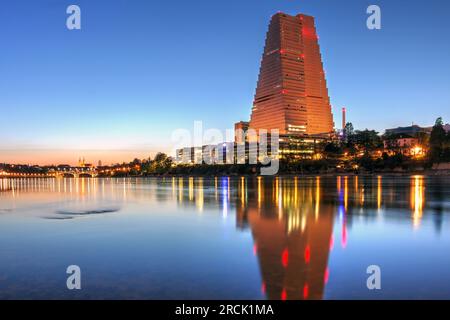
<point>332,150</point>
<point>348,132</point>
<point>161,164</point>
<point>391,143</point>
<point>438,139</point>
<point>446,151</point>
<point>160,157</point>
<point>367,140</point>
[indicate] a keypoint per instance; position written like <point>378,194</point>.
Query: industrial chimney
<point>343,118</point>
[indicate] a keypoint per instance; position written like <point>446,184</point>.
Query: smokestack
<point>343,118</point>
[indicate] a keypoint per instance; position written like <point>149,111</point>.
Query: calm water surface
<point>226,238</point>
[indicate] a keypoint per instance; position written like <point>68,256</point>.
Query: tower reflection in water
<point>292,231</point>
<point>292,220</point>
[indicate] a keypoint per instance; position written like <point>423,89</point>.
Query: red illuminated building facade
<point>291,93</point>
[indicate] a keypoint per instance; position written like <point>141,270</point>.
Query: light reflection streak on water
<point>317,206</point>
<point>199,199</point>
<point>417,199</point>
<point>225,188</point>
<point>379,193</point>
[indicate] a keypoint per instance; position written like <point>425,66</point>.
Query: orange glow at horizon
<point>71,157</point>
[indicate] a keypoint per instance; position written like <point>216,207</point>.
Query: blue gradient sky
<point>137,70</point>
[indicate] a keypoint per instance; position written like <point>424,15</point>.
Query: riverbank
<point>442,169</point>
<point>349,174</point>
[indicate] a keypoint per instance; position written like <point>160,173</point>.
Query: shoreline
<point>288,175</point>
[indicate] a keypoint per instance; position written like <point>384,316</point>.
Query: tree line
<point>356,150</point>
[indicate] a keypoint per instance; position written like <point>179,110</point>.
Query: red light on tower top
<point>326,276</point>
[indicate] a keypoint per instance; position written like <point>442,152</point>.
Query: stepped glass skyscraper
<point>291,93</point>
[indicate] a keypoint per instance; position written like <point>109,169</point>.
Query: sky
<point>139,70</point>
